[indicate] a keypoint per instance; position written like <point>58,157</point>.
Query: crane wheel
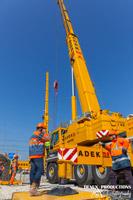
<point>83,174</point>
<point>52,173</point>
<point>100,174</point>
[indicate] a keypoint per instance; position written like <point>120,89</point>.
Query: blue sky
<point>28,34</point>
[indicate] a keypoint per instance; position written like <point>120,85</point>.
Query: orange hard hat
<point>41,125</point>
<point>1,162</point>
<point>112,132</point>
<point>16,156</point>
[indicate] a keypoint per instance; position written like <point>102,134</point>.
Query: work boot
<point>33,191</point>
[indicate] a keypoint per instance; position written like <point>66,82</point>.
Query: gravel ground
<point>6,191</point>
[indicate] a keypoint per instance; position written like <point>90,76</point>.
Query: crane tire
<point>101,178</point>
<point>83,177</point>
<point>52,173</point>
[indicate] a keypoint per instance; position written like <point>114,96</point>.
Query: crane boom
<point>86,91</point>
<point>46,115</point>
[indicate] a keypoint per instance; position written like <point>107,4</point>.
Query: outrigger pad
<point>62,191</point>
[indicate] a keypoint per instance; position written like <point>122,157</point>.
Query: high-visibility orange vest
<point>15,165</point>
<point>120,159</point>
<point>37,144</point>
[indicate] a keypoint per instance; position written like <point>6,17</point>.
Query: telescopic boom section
<point>46,114</point>
<point>86,91</point>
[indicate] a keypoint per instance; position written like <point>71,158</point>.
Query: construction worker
<point>10,171</point>
<point>36,154</point>
<point>2,168</point>
<point>14,168</point>
<point>120,159</point>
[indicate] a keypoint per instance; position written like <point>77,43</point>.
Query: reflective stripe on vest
<point>38,144</point>
<point>117,147</point>
<point>120,159</point>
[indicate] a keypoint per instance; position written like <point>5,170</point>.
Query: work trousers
<point>128,175</point>
<point>12,177</point>
<point>37,169</point>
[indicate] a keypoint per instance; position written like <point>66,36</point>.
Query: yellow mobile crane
<point>74,151</point>
<point>57,192</point>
